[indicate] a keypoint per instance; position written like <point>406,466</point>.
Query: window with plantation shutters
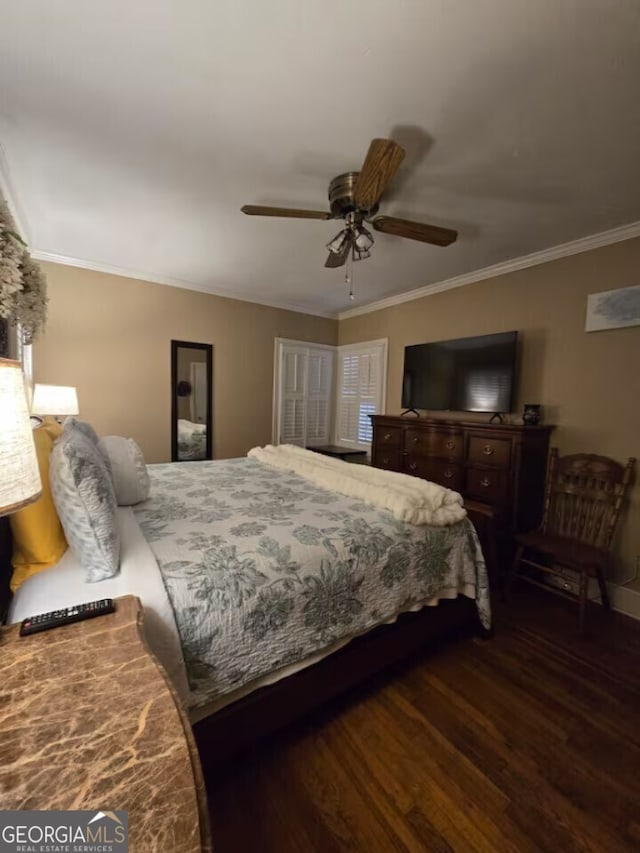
<point>319,388</point>
<point>294,403</point>
<point>303,393</point>
<point>362,370</point>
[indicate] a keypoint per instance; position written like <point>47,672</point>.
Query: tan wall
<point>110,337</point>
<point>588,383</point>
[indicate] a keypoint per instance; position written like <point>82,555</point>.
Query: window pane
<point>365,428</point>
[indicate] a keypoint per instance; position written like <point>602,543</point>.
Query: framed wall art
<point>613,309</point>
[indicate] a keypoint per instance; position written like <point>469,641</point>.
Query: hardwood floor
<point>526,742</point>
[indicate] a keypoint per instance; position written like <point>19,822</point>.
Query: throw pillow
<point>38,538</point>
<point>130,476</point>
<point>82,426</point>
<point>53,428</point>
<point>85,429</point>
<point>83,493</point>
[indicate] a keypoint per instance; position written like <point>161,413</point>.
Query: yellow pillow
<point>53,428</point>
<point>38,538</point>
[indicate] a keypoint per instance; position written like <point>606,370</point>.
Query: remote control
<point>64,617</point>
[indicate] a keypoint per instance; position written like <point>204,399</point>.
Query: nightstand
<point>338,452</point>
<point>88,720</point>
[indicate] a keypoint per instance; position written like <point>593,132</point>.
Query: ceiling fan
<point>354,197</point>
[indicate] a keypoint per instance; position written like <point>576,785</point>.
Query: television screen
<point>464,375</point>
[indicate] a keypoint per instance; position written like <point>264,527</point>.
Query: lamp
<point>336,246</point>
<point>20,482</point>
<point>363,239</point>
<point>55,400</point>
<point>360,254</point>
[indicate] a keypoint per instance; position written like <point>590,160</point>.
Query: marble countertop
<point>89,721</point>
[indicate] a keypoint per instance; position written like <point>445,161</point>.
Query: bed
<point>192,440</point>
<point>265,594</point>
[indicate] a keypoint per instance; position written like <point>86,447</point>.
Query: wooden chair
<point>583,497</point>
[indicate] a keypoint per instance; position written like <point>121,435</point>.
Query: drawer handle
<point>387,436</point>
<point>448,474</point>
<point>486,482</point>
<point>450,445</point>
<point>385,460</point>
<point>412,466</point>
<point>487,450</point>
<point>415,439</point>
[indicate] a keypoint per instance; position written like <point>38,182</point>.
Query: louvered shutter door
<point>293,403</point>
<point>319,382</point>
<point>348,402</point>
<point>360,389</point>
<point>369,394</point>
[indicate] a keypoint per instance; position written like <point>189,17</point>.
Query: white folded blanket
<point>408,498</point>
<point>187,429</point>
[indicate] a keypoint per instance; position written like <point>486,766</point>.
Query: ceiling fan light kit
<point>338,243</point>
<point>363,239</point>
<point>354,197</point>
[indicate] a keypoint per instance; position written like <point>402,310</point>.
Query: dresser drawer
<point>489,451</point>
<point>448,446</point>
<point>487,485</point>
<point>448,474</point>
<point>415,465</point>
<point>417,441</point>
<point>388,436</point>
<point>387,458</point>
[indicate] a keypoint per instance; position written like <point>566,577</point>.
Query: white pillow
<point>130,476</point>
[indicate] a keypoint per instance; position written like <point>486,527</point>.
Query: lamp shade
<point>54,400</point>
<point>19,474</point>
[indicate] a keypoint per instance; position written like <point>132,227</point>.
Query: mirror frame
<point>208,348</point>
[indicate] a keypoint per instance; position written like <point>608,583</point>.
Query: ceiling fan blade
<point>257,210</point>
<point>380,165</point>
<point>338,259</point>
<point>415,230</point>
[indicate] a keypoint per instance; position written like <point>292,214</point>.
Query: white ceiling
<point>134,130</point>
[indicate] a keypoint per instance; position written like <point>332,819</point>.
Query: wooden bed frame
<point>242,724</point>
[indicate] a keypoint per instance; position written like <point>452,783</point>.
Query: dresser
<point>501,466</point>
<point>88,721</point>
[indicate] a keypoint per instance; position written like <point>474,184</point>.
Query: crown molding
<point>7,188</point>
<point>575,247</point>
<point>154,278</point>
<point>583,244</point>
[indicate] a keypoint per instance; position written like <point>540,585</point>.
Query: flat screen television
<point>463,375</point>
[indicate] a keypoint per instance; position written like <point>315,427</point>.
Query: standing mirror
<point>191,403</point>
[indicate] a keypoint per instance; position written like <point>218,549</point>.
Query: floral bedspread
<point>264,569</point>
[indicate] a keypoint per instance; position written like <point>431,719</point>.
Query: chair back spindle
<point>583,497</point>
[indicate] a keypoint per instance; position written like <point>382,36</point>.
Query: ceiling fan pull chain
<point>348,276</point>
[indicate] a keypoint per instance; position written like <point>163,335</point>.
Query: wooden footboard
<point>241,725</point>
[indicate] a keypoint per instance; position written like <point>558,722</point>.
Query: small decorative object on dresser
<point>532,415</point>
